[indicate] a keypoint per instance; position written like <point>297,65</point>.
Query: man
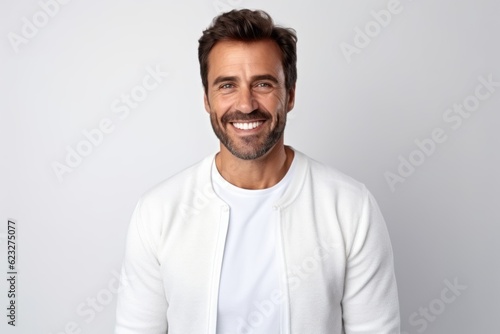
<point>257,238</point>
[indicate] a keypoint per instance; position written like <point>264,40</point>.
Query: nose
<point>246,101</point>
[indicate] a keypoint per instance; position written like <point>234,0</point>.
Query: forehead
<point>234,56</point>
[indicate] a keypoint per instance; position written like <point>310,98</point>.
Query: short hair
<point>248,26</point>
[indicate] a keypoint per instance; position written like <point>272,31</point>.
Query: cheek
<point>220,104</point>
<point>275,101</point>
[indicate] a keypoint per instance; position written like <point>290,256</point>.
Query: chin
<point>249,153</point>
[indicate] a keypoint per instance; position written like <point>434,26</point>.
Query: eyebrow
<point>269,77</point>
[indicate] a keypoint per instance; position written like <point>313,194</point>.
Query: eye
<point>226,86</point>
<point>264,87</point>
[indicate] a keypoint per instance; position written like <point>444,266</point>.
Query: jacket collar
<point>301,162</point>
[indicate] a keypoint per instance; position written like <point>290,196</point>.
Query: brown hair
<point>248,25</point>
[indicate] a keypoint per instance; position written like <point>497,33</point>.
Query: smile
<point>247,125</point>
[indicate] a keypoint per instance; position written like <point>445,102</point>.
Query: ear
<point>291,98</point>
<point>207,104</point>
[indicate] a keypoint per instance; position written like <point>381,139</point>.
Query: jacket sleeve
<point>142,305</point>
<point>370,302</point>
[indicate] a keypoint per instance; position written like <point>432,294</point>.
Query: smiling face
<point>246,96</point>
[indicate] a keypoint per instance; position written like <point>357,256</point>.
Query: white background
<point>358,114</point>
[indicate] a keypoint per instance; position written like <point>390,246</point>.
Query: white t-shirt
<point>250,266</point>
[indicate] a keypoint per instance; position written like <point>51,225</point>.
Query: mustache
<point>257,114</point>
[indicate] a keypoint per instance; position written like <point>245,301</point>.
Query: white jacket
<point>336,259</point>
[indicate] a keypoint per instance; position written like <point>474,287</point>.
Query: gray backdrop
<point>100,100</point>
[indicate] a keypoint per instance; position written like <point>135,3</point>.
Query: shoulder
<point>329,179</point>
<point>190,179</point>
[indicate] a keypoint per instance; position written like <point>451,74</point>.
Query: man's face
<point>247,100</point>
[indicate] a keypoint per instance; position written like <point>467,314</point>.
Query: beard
<point>248,147</point>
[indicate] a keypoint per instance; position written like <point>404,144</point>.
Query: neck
<point>260,173</point>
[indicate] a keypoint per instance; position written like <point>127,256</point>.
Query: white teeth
<point>247,126</point>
